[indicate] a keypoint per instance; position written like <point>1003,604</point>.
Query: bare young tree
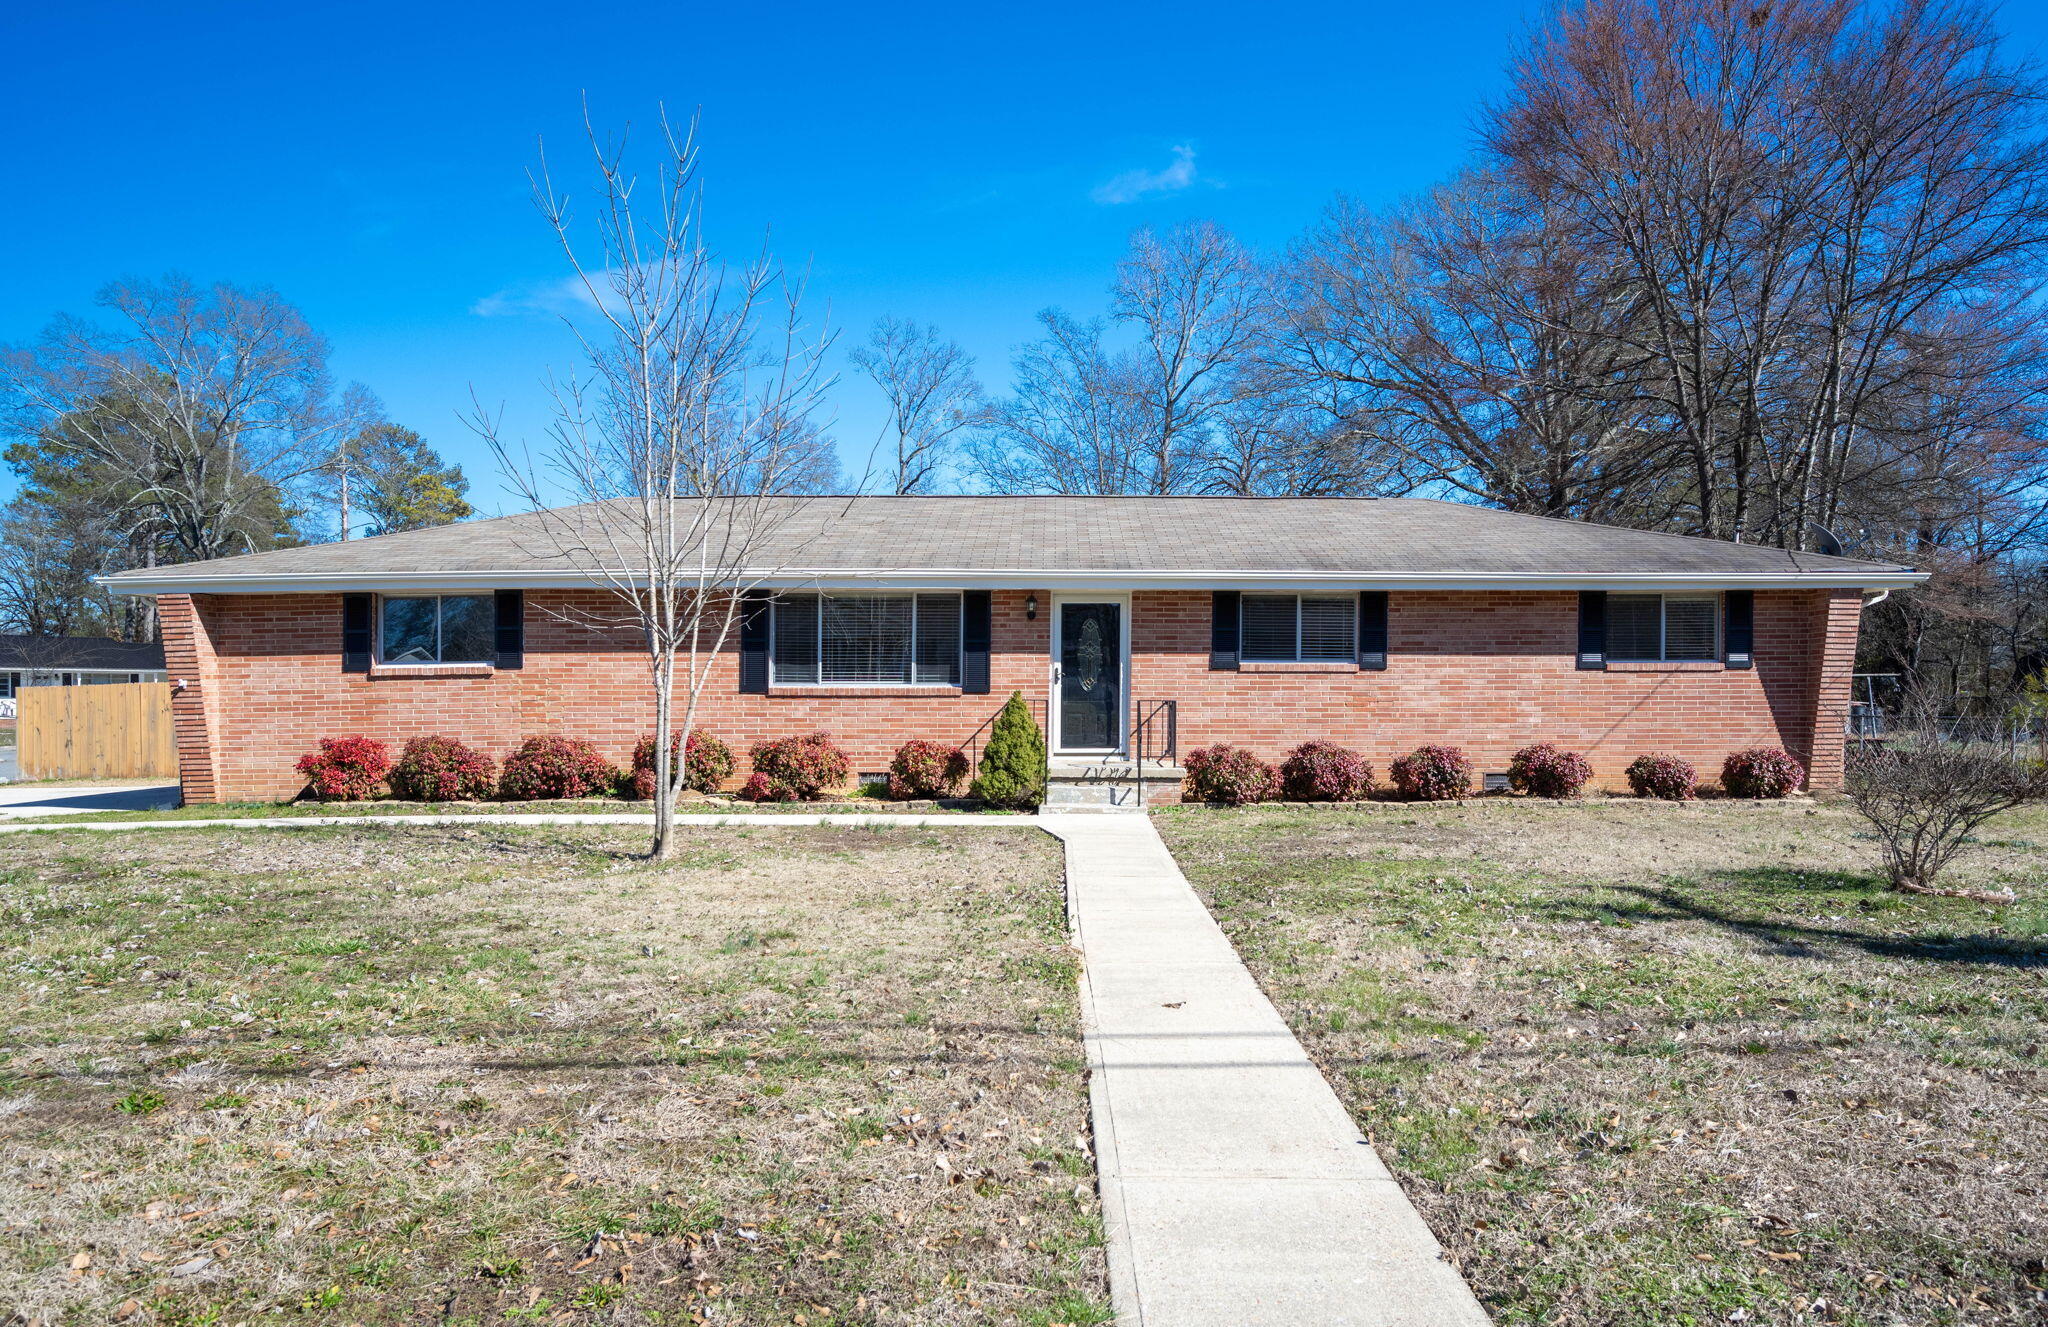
<point>932,393</point>
<point>682,441</point>
<point>203,405</point>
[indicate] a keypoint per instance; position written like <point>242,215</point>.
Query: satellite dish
<point>1824,540</point>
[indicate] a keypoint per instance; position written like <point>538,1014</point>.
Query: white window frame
<point>1245,656</point>
<point>437,661</point>
<point>1664,626</point>
<point>818,642</point>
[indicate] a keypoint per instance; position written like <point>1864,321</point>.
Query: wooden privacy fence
<point>115,731</point>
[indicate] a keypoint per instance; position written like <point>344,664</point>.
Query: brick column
<point>189,660</point>
<point>1838,616</point>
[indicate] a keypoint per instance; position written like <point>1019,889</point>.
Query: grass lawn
<point>1669,1065</point>
<point>496,1074</point>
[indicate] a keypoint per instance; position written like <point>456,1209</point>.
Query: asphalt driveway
<point>37,799</point>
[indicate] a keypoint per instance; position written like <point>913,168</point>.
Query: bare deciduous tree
<point>1087,418</point>
<point>1802,197</point>
<point>933,397</point>
<point>1471,350</point>
<point>203,405</point>
<point>46,567</point>
<point>683,440</point>
<point>1194,298</point>
<point>1070,425</point>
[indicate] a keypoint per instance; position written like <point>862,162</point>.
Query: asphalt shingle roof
<point>1149,537</point>
<point>86,652</point>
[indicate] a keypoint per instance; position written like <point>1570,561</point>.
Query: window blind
<point>1267,624</point>
<point>1689,628</point>
<point>796,639</point>
<point>866,638</point>
<point>1329,629</point>
<point>1634,628</point>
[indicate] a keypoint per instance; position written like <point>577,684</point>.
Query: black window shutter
<point>1738,635</point>
<point>1593,630</point>
<point>357,612</point>
<point>754,644</point>
<point>1372,630</point>
<point>511,628</point>
<point>976,626</point>
<point>1223,631</point>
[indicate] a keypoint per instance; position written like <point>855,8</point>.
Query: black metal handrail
<point>972,746</point>
<point>1155,731</point>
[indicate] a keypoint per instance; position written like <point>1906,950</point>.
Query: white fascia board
<point>940,578</point>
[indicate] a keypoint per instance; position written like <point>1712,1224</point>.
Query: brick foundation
<point>1487,671</point>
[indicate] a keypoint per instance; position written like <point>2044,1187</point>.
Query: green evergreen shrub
<point>1013,762</point>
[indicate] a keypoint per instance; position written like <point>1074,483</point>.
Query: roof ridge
<point>1662,534</point>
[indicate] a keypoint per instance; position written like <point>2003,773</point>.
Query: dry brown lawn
<point>1649,1064</point>
<point>484,1075</point>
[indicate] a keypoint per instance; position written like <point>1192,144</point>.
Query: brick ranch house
<point>1380,624</point>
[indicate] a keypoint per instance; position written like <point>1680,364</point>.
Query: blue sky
<point>962,164</point>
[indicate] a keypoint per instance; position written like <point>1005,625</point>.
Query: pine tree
<point>1013,763</point>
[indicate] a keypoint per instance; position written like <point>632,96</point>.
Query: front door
<point>1091,677</point>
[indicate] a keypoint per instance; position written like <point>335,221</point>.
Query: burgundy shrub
<point>346,769</point>
<point>707,763</point>
<point>553,767</point>
<point>1548,770</point>
<point>797,769</point>
<point>1761,771</point>
<point>926,769</point>
<point>1433,774</point>
<point>1230,775</point>
<point>1325,772</point>
<point>1661,776</point>
<point>441,769</point>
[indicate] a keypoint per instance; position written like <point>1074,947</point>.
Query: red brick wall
<point>271,684</point>
<point>1485,671</point>
<point>1492,671</point>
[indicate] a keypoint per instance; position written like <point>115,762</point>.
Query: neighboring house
<point>32,661</point>
<point>1379,624</point>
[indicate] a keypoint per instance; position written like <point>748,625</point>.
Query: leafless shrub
<point>1925,792</point>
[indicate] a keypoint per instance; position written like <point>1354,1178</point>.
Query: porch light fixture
<point>1031,607</point>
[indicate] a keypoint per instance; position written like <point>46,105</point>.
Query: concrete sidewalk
<point>756,820</point>
<point>1236,1190</point>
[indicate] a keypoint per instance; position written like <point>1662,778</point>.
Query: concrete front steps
<point>1108,783</point>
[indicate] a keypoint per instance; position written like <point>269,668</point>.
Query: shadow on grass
<point>1801,938</point>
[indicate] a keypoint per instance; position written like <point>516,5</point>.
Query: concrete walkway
<point>1236,1190</point>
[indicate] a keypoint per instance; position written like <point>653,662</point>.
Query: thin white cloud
<point>545,299</point>
<point>1132,185</point>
